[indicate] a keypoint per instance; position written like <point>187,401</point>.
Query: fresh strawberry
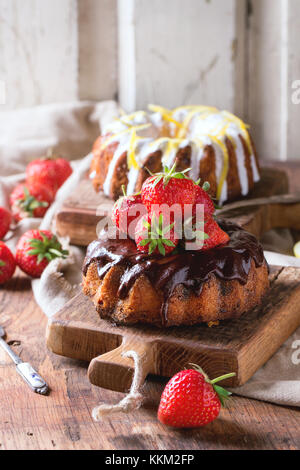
<point>5,221</point>
<point>126,212</point>
<point>35,249</point>
<point>48,171</point>
<point>202,197</point>
<point>215,235</point>
<point>169,188</point>
<point>153,236</point>
<point>7,263</point>
<point>43,172</point>
<point>204,235</point>
<point>30,200</point>
<point>190,399</point>
<point>63,170</point>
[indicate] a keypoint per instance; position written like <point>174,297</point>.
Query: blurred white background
<point>240,55</point>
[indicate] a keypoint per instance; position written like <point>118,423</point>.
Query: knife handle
<point>32,378</point>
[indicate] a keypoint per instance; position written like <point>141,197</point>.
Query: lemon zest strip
<point>131,160</point>
<point>120,134</point>
<point>225,168</point>
<point>166,113</point>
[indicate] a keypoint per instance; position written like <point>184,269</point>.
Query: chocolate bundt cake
<point>215,144</point>
<point>185,288</point>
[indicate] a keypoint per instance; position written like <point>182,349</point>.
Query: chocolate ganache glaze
<point>188,268</point>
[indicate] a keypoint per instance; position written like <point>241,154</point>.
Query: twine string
<point>133,400</point>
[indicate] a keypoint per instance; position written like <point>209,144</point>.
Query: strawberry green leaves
<point>29,203</point>
<point>167,174</point>
<point>222,394</point>
<point>152,235</point>
<point>49,248</point>
<point>220,391</point>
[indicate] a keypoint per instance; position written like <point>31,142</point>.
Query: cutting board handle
<point>114,371</point>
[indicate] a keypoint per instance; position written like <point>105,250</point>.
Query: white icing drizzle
<point>200,126</point>
<point>197,154</point>
<point>132,179</point>
<point>122,147</point>
<point>256,176</point>
<point>240,158</point>
<point>219,158</point>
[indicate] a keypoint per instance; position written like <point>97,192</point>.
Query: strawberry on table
<point>169,187</point>
<point>30,200</point>
<point>126,212</point>
<point>152,235</point>
<point>49,171</point>
<point>63,170</point>
<point>5,221</point>
<point>35,249</point>
<point>7,263</point>
<point>190,399</point>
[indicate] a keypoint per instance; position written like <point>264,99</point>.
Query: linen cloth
<point>70,129</point>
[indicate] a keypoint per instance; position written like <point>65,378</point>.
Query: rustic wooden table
<point>63,420</point>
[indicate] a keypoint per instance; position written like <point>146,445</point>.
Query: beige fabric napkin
<point>71,129</point>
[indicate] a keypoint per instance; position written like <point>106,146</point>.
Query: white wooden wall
<point>274,66</point>
<point>57,50</point>
<point>182,55</point>
<point>240,55</point>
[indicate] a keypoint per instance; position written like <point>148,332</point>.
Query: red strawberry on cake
<point>215,235</point>
<point>203,198</point>
<point>152,235</point>
<point>126,212</point>
<point>168,188</point>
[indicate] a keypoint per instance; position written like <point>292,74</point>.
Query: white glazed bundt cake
<point>215,144</point>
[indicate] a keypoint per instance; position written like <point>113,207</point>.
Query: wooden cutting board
<point>78,216</point>
<point>241,346</point>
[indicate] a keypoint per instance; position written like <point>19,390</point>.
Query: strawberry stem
<point>207,379</point>
<point>167,174</point>
<point>206,186</point>
<point>50,155</point>
<point>222,377</point>
<point>221,392</point>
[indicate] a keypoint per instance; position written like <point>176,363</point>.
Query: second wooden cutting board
<point>80,213</point>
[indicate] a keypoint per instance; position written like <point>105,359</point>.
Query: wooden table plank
<point>63,420</point>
